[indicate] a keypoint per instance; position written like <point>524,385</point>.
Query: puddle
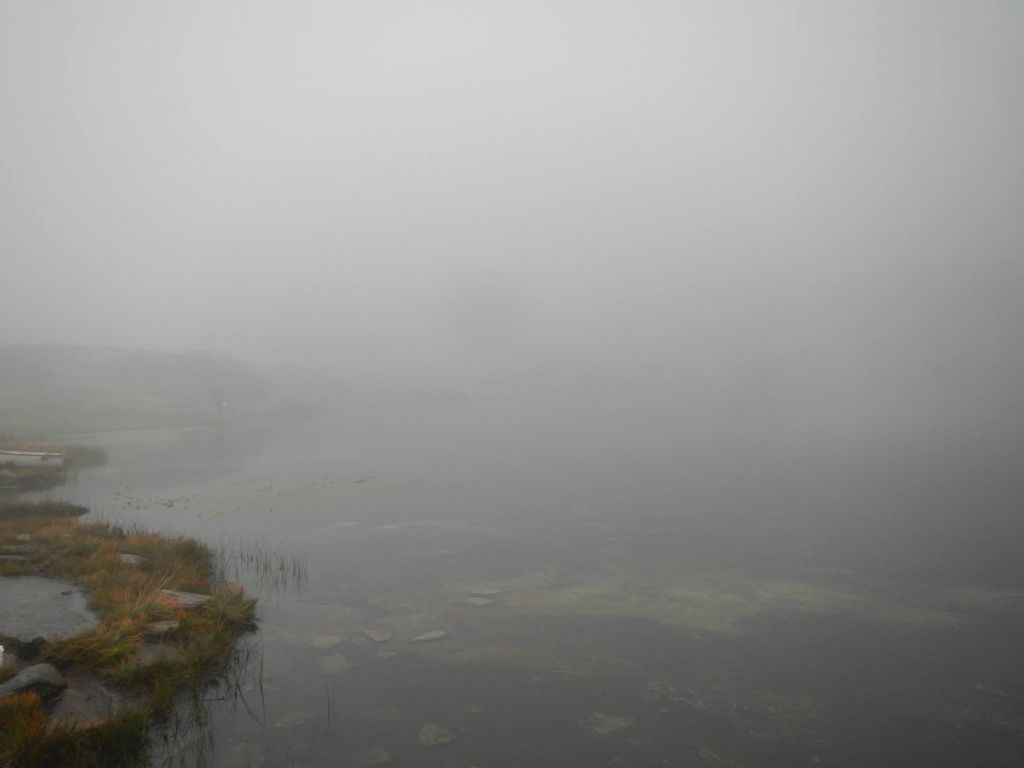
<point>34,606</point>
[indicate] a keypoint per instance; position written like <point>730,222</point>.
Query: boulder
<point>43,679</point>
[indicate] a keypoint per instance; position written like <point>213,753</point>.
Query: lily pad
<point>602,723</point>
<point>434,735</point>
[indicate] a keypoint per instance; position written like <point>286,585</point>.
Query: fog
<point>459,190</point>
<point>745,263</point>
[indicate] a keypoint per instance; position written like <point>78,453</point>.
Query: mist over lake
<point>570,383</point>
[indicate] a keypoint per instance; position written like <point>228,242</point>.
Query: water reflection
<point>577,622</point>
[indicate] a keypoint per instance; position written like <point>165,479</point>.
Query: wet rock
<point>371,757</point>
<point>158,629</point>
<point>428,637</point>
<point>602,723</point>
<point>483,592</point>
<point>479,602</point>
<point>334,664</point>
<point>434,735</point>
<point>293,719</point>
<point>129,559</point>
<point>43,679</point>
<point>378,635</point>
<point>186,600</point>
<point>86,702</point>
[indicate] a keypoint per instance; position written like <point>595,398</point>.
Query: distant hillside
<point>53,389</point>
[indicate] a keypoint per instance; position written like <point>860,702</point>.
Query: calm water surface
<point>644,611</point>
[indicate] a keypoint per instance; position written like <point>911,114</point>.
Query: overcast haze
<point>632,383</point>
<point>823,195</point>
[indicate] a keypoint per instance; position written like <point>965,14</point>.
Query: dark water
<point>656,602</point>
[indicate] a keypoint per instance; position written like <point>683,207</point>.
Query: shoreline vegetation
<point>17,479</point>
<point>168,626</point>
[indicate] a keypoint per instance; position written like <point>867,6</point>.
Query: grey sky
<point>817,192</point>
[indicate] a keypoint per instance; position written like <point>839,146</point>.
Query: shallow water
<point>641,614</point>
<point>33,606</point>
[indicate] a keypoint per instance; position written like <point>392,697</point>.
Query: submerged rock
<point>602,723</point>
<point>483,592</point>
<point>427,637</point>
<point>478,601</point>
<point>434,735</point>
<point>334,664</point>
<point>43,679</point>
<point>378,635</point>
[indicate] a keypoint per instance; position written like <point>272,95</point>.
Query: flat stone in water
<point>334,664</point>
<point>35,606</point>
<point>427,637</point>
<point>43,679</point>
<point>483,592</point>
<point>602,723</point>
<point>378,635</point>
<point>434,735</point>
<point>86,702</point>
<point>186,600</point>
<point>478,601</point>
<point>158,629</point>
